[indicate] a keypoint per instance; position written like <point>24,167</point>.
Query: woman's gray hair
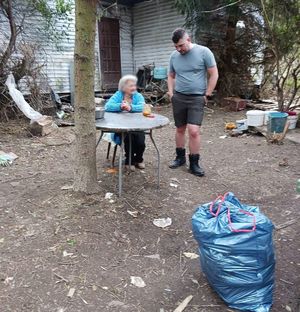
<point>123,81</point>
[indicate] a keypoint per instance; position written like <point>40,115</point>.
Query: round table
<point>127,123</point>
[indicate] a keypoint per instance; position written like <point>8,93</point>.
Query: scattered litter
<point>137,281</point>
<point>111,201</point>
<point>94,287</point>
<point>288,308</point>
<point>155,256</point>
<point>109,195</point>
<point>18,98</point>
<point>167,289</point>
<point>184,304</point>
<point>8,280</point>
<point>173,185</point>
<point>83,300</point>
<point>66,187</point>
<point>284,163</point>
<point>175,180</point>
<point>230,126</point>
<point>7,159</point>
<point>67,254</point>
<point>162,222</point>
<point>133,213</point>
<point>190,255</point>
<point>2,240</point>
<point>223,136</point>
<point>71,292</point>
<point>104,287</point>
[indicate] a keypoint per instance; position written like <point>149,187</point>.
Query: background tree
<point>281,36</point>
<point>18,51</point>
<point>224,27</point>
<point>85,172</point>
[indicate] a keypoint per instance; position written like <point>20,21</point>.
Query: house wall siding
<point>153,23</point>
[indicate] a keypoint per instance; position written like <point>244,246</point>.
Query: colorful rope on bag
<point>215,214</point>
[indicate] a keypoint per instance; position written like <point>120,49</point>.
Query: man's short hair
<point>178,34</point>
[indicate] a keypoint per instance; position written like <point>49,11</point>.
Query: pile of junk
<point>152,83</point>
<point>273,125</point>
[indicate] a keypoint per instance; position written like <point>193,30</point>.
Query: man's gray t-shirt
<point>191,69</point>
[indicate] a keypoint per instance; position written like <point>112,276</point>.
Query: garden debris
<point>108,196</point>
<point>162,222</point>
<point>112,170</point>
<point>133,213</point>
<point>155,256</point>
<point>173,185</point>
<point>42,127</point>
<point>190,255</point>
<point>71,292</point>
<point>7,159</point>
<point>39,124</point>
<point>184,304</point>
<point>223,136</point>
<point>66,187</point>
<point>284,163</point>
<point>137,281</point>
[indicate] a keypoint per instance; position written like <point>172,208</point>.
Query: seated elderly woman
<point>127,99</point>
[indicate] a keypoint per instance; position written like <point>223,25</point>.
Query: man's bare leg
<point>194,138</point>
<point>194,145</point>
<point>180,148</point>
<point>180,137</point>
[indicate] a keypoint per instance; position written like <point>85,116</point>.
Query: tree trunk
<point>85,173</point>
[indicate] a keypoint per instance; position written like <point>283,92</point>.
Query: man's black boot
<point>180,158</point>
<point>195,168</point>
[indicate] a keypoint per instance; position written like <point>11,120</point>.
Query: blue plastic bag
<point>236,252</point>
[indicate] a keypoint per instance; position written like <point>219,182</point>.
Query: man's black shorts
<point>188,109</point>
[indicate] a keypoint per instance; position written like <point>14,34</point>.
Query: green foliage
<point>52,12</point>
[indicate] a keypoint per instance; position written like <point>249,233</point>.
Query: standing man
<point>192,77</point>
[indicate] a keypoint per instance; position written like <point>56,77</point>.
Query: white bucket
<point>293,121</point>
<point>255,118</point>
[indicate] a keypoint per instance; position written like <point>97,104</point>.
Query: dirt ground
<point>52,240</point>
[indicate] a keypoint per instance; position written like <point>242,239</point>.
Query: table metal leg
<point>101,135</point>
<point>158,159</point>
<point>130,148</point>
<point>121,163</point>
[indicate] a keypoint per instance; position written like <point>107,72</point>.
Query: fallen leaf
<point>190,255</point>
<point>137,281</point>
<point>112,170</point>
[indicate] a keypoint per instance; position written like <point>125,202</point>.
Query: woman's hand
<point>125,106</point>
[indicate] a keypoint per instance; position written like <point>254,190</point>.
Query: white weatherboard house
<point>129,34</point>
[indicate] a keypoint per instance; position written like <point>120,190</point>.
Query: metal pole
<point>101,135</point>
<point>121,163</point>
<point>130,149</point>
<point>158,159</point>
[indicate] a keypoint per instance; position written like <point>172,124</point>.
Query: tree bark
<point>85,172</point>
